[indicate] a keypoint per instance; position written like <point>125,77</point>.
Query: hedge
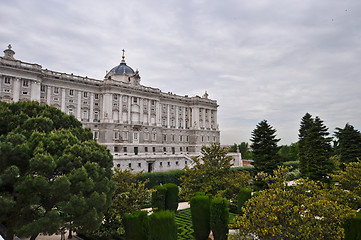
<point>162,226</point>
<point>171,197</point>
<point>219,214</point>
<point>158,178</point>
<point>136,225</point>
<point>200,211</point>
<point>159,197</point>
<point>353,228</point>
<point>243,195</point>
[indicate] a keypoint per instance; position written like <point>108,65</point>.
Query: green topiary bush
<point>136,225</point>
<point>243,195</point>
<point>158,178</point>
<point>353,228</point>
<point>200,210</point>
<point>158,198</point>
<point>171,199</point>
<point>162,226</point>
<point>219,214</point>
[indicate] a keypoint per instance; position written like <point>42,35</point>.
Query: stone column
<point>195,118</point>
<point>78,108</point>
<point>209,118</point>
<point>129,109</point>
<point>63,100</point>
<point>204,117</point>
<point>168,115</point>
<point>215,119</point>
<point>184,117</point>
<point>48,95</point>
<point>120,108</point>
<point>35,91</point>
<point>158,114</point>
<point>16,90</point>
<point>141,109</point>
<point>107,107</point>
<point>176,117</point>
<point>91,111</point>
<point>149,111</point>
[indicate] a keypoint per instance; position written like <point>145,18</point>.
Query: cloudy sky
<point>262,59</point>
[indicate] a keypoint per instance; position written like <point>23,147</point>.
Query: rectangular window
<point>7,80</point>
<point>154,136</point>
<point>153,149</point>
<point>125,149</point>
<point>160,164</point>
<point>85,115</point>
<point>129,165</point>
<point>168,163</point>
<point>165,137</point>
<point>96,116</point>
<point>42,88</point>
<point>115,96</point>
<point>153,102</point>
<point>135,100</point>
<point>56,90</point>
<point>25,83</point>
<point>116,135</point>
<point>135,136</point>
<point>96,96</point>
<point>25,93</point>
<point>125,135</point>
<point>96,135</point>
<point>116,149</point>
<point>85,94</point>
<point>139,165</point>
<point>71,92</point>
<point>146,149</point>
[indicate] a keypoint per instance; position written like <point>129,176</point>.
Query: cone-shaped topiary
<point>219,213</point>
<point>162,226</point>
<point>171,199</point>
<point>200,210</point>
<point>158,198</point>
<point>136,225</point>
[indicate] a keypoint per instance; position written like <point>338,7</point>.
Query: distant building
<point>143,127</point>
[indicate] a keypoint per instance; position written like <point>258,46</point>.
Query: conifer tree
<point>348,144</point>
<point>315,149</point>
<point>265,149</point>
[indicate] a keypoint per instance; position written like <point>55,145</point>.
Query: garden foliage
<point>200,209</point>
<point>136,225</point>
<point>162,226</point>
<point>219,214</point>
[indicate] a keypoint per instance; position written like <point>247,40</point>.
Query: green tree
<point>348,143</point>
<point>265,149</point>
<point>304,211</point>
<point>130,195</point>
<point>289,153</point>
<point>212,174</point>
<point>315,149</point>
<point>52,174</point>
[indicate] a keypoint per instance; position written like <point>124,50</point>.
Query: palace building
<point>143,127</point>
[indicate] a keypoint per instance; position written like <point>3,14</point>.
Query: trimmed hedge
<point>243,195</point>
<point>353,228</point>
<point>200,210</point>
<point>219,213</point>
<point>158,198</point>
<point>136,225</point>
<point>171,197</point>
<point>158,178</point>
<point>162,226</point>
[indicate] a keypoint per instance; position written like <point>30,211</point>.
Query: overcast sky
<point>262,59</point>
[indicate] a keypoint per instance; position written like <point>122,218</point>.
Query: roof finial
<point>123,56</point>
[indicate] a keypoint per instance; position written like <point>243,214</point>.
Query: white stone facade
<point>143,127</point>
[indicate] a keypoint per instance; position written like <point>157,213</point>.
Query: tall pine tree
<point>265,149</point>
<point>348,144</point>
<point>315,149</point>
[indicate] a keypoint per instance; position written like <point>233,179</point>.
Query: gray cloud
<point>273,60</point>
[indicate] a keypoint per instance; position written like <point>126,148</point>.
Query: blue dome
<point>121,69</point>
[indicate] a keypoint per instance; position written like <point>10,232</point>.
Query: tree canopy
<point>212,174</point>
<point>348,144</point>
<point>315,149</point>
<point>52,173</point>
<point>265,149</point>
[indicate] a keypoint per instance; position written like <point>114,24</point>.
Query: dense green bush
<point>136,225</point>
<point>162,226</point>
<point>158,178</point>
<point>293,164</point>
<point>171,199</point>
<point>353,228</point>
<point>219,214</point>
<point>200,210</point>
<point>247,168</point>
<point>159,197</point>
<point>243,195</point>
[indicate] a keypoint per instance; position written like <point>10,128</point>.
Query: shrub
<point>171,199</point>
<point>219,214</point>
<point>136,225</point>
<point>162,226</point>
<point>200,210</point>
<point>293,164</point>
<point>158,198</point>
<point>247,169</point>
<point>243,195</point>
<point>353,228</point>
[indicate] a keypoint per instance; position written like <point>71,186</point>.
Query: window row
<point>118,149</point>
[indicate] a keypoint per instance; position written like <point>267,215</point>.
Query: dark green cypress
<point>200,211</point>
<point>136,225</point>
<point>348,144</point>
<point>219,214</point>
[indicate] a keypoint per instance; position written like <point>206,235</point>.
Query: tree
<point>52,174</point>
<point>304,211</point>
<point>289,153</point>
<point>212,174</point>
<point>315,149</point>
<point>348,143</point>
<point>265,149</point>
<point>130,195</point>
